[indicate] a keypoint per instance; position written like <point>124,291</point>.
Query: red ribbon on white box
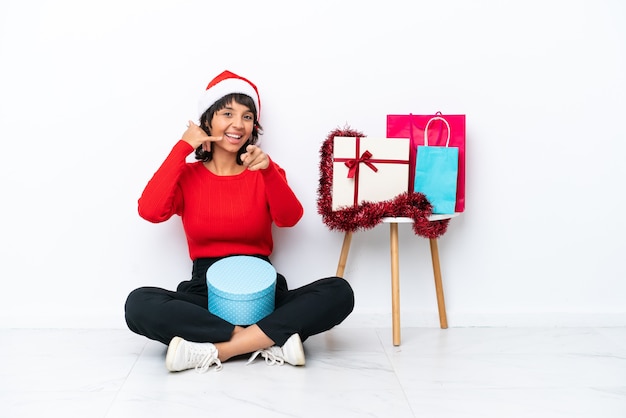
<point>353,164</point>
<point>365,158</point>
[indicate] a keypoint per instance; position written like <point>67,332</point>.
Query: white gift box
<point>368,169</point>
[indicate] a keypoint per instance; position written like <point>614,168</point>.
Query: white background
<point>93,95</point>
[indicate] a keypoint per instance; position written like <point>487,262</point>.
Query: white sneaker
<point>183,355</point>
<point>291,352</point>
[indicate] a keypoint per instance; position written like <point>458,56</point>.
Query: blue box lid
<point>241,278</point>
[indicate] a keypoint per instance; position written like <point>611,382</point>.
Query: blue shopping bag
<point>436,172</point>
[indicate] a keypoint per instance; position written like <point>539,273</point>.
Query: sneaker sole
<point>171,353</point>
<point>296,354</point>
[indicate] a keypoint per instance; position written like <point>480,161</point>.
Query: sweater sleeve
<point>285,208</point>
<point>162,196</point>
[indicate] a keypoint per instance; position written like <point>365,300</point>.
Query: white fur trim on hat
<point>224,84</point>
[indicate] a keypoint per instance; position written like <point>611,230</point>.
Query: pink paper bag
<point>412,126</point>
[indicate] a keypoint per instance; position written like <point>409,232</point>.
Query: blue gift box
<point>241,289</point>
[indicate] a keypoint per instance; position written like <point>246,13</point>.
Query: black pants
<point>161,314</point>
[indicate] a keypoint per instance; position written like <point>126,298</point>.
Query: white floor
<point>350,372</point>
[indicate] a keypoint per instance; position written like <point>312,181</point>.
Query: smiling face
<point>234,123</point>
<point>215,123</point>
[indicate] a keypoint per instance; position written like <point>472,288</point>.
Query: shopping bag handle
<point>426,129</point>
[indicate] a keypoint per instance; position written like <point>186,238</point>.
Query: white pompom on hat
<point>224,84</point>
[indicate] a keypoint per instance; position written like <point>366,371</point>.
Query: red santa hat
<point>227,83</point>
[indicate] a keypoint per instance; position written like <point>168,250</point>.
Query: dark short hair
<point>207,117</point>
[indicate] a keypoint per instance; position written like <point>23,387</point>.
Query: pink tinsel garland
<point>369,214</point>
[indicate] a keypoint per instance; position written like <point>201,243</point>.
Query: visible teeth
<point>233,136</point>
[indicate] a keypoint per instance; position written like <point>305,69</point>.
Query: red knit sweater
<point>222,215</point>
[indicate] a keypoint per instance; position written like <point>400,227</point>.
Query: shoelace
<point>207,362</point>
<point>272,356</point>
<point>203,359</point>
